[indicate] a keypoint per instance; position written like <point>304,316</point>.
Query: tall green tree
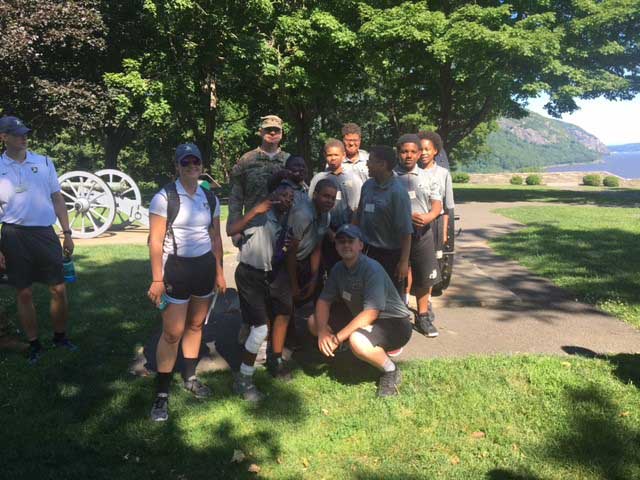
<point>204,52</point>
<point>459,65</point>
<point>311,65</point>
<point>48,52</point>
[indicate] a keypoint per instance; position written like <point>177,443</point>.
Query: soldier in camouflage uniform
<point>250,175</point>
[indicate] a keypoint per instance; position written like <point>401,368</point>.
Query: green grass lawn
<point>82,416</point>
<point>592,251</point>
<point>525,193</point>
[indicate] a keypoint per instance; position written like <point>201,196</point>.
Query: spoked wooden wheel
<point>90,203</point>
<point>127,196</point>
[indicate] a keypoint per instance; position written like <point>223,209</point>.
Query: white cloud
<point>614,123</point>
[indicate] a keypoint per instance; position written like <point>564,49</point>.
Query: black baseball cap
<point>13,126</point>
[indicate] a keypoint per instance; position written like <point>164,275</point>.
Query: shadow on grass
<point>81,415</point>
<point>598,439</point>
<point>595,266</point>
<point>502,474</point>
<point>627,365</point>
<point>612,198</point>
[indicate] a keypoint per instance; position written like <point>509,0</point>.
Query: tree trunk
<point>116,138</point>
<point>302,131</point>
<point>446,103</point>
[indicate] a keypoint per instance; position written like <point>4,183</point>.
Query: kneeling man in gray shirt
<point>360,305</point>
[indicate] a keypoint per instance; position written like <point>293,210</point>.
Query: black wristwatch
<point>67,232</point>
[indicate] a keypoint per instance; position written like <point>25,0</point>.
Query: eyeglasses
<point>185,162</point>
<point>272,130</point>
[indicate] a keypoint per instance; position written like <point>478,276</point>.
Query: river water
<point>625,165</point>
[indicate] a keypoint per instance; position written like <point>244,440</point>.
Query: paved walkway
<point>493,305</point>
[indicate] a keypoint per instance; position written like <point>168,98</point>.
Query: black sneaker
<point>196,387</point>
<point>389,382</point>
<point>279,369</point>
<point>425,326</point>
<point>65,343</point>
<point>243,385</point>
<point>160,409</point>
<point>34,354</point>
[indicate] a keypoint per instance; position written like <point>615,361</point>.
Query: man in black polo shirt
<point>360,304</point>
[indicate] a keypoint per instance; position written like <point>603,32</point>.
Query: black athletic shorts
<point>281,299</point>
<point>425,271</point>
<point>438,229</point>
<point>389,260</point>
<point>33,254</point>
<point>388,333</point>
<point>253,290</point>
<point>185,277</point>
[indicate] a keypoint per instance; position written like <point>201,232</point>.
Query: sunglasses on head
<point>185,162</point>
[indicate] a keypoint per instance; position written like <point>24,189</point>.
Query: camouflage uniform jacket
<point>249,178</point>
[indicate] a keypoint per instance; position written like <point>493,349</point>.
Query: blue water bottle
<point>68,269</point>
<point>164,303</point>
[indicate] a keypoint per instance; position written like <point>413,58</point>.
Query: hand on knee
<point>255,339</point>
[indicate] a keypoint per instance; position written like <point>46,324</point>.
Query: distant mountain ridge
<point>626,148</point>
<point>536,142</point>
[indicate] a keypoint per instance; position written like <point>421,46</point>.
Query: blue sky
<point>614,123</point>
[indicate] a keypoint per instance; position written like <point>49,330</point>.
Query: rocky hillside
<point>535,142</point>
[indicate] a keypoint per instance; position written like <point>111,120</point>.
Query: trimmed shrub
<point>460,177</point>
<point>592,180</point>
<point>516,180</point>
<point>534,179</point>
<point>611,181</point>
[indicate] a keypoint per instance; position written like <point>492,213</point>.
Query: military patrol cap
<point>185,149</point>
<point>349,230</point>
<point>270,121</point>
<point>13,126</point>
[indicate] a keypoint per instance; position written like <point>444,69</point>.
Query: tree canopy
<point>126,81</point>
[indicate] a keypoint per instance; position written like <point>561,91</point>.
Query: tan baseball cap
<point>271,121</point>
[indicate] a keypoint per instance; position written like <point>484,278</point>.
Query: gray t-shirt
<point>300,192</point>
<point>385,213</point>
<point>308,227</point>
<point>422,188</point>
<point>347,196</point>
<point>366,286</point>
<point>443,178</point>
<point>360,167</point>
<point>259,240</point>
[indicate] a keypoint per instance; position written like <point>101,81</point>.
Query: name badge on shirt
<point>338,195</point>
<point>412,194</point>
<point>21,188</point>
<point>346,296</point>
<point>370,207</point>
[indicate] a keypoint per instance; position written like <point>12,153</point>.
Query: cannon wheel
<point>90,203</point>
<point>127,195</point>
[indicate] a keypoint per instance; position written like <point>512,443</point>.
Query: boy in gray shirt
<point>360,304</point>
<point>426,205</point>
<point>347,196</point>
<point>268,220</point>
<point>431,147</point>
<point>384,216</point>
<point>297,283</point>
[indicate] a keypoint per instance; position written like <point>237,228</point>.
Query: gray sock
<point>388,365</point>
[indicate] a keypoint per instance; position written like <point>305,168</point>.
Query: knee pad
<point>255,338</point>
